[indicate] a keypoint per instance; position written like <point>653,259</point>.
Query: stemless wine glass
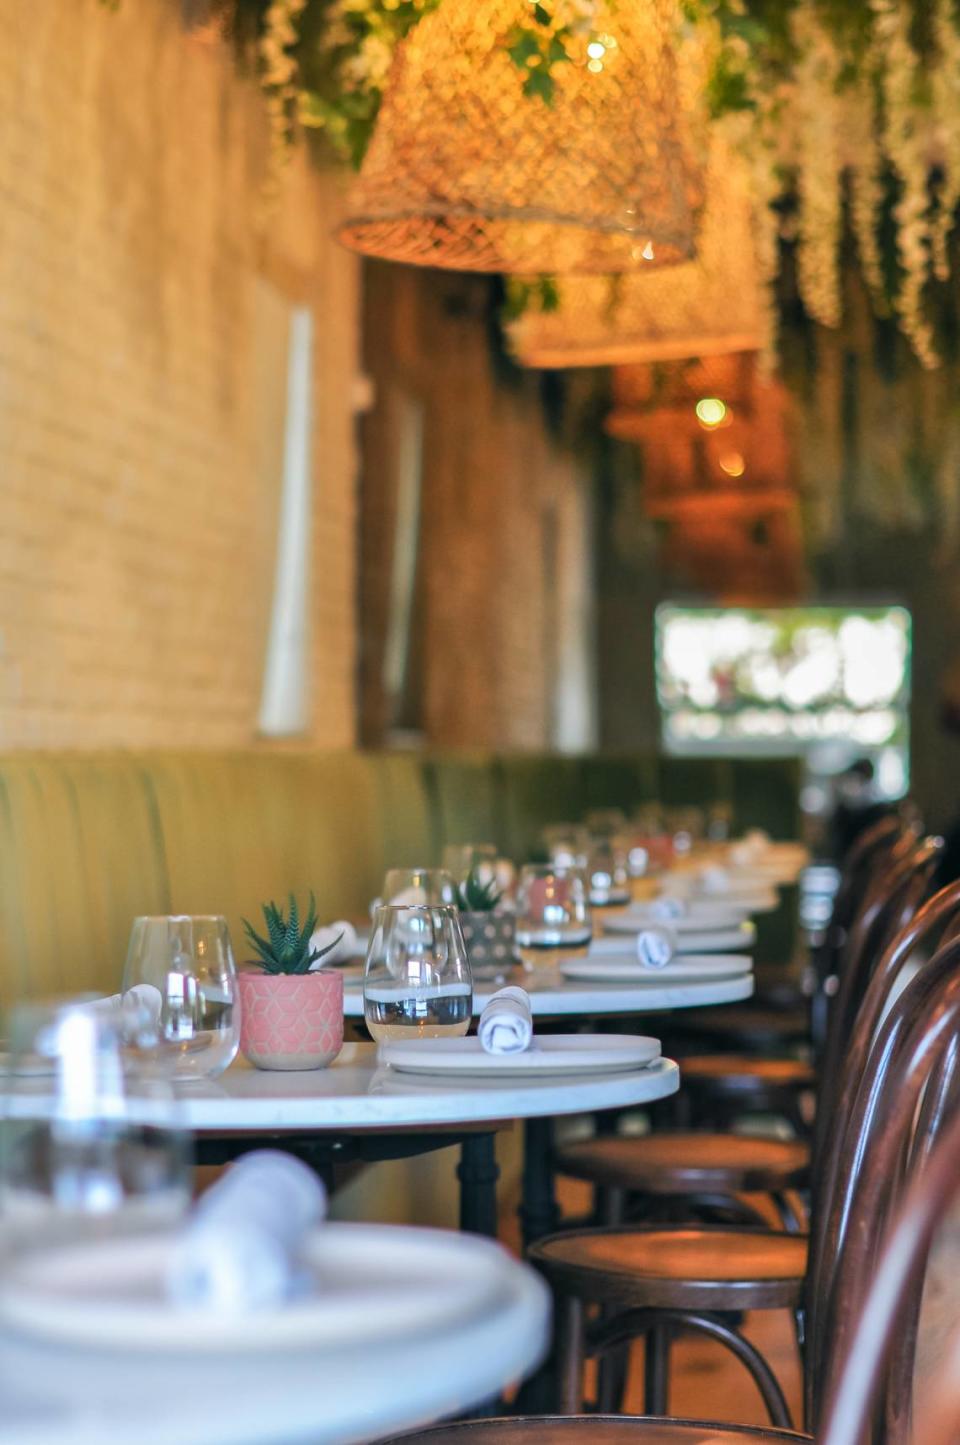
<point>434,887</point>
<point>609,875</point>
<point>90,1141</point>
<point>553,915</point>
<point>417,980</point>
<point>189,961</point>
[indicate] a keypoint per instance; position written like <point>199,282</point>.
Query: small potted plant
<point>291,1013</point>
<point>488,929</point>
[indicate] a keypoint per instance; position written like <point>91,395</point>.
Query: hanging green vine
<point>843,110</point>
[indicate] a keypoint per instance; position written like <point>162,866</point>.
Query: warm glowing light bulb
<point>647,252</point>
<point>711,411</point>
<point>596,50</point>
<point>733,464</point>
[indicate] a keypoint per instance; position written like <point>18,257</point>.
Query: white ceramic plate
<point>26,1066</point>
<point>752,900</point>
<point>700,916</point>
<point>713,940</point>
<point>627,968</point>
<point>373,1284</point>
<point>550,1054</point>
<point>610,898</point>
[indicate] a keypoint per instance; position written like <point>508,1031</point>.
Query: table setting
<point>107,1259</point>
<point>505,1046</point>
<point>196,1057</point>
<point>561,940</point>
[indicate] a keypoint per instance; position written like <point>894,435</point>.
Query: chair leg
<point>791,1212</point>
<point>612,1368</point>
<point>611,1204</point>
<point>656,1371</point>
<point>570,1350</point>
<point>657,1324</point>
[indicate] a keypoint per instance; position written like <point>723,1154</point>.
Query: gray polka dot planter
<point>489,938</point>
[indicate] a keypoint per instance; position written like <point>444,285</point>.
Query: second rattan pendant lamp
<point>466,171</point>
<point>712,305</point>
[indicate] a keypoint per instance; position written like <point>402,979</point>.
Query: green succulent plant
<point>286,949</point>
<point>476,897</point>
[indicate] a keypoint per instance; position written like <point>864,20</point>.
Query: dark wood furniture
<point>872,1351</point>
<point>699,1165</point>
<point>598,1430</point>
<point>655,1280</point>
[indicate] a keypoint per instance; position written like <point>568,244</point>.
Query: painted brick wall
<point>142,312</point>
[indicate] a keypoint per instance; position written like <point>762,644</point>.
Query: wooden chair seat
<point>746,1074</point>
<point>687,1163</point>
<point>593,1430</point>
<point>658,1267</point>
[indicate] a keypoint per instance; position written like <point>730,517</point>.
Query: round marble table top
<point>553,996</point>
<point>55,1393</point>
<point>355,1093</point>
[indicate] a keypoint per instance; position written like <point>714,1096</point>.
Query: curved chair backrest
<point>890,896</point>
<point>939,918</point>
<point>897,1278</point>
<point>940,915</point>
<point>886,1136</point>
<point>895,892</point>
<point>868,853</point>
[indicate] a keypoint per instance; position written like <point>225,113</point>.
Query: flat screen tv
<point>829,681</point>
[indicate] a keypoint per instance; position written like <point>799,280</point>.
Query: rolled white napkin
<point>667,910</point>
<point>656,946</point>
<point>135,1011</point>
<point>714,880</point>
<point>506,1023</point>
<point>241,1249</point>
<point>346,948</point>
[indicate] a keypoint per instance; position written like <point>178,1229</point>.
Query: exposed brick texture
<point>142,306</point>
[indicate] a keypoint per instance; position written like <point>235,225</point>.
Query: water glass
<point>195,1030</point>
<point>417,981</point>
<point>553,915</point>
<point>89,1144</point>
<point>609,873</point>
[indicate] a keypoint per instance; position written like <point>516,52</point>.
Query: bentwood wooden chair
<point>778,1016</point>
<point>654,1281</point>
<point>877,1352</point>
<point>723,1084</point>
<point>711,1170</point>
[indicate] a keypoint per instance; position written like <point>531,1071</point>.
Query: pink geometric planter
<point>291,1021</point>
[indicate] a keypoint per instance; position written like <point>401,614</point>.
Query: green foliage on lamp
<point>846,112</point>
<point>286,949</point>
<point>476,897</point>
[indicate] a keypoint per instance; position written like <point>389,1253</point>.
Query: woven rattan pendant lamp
<point>467,172</point>
<point>713,304</point>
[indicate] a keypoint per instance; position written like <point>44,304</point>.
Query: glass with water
<point>181,969</point>
<point>417,980</point>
